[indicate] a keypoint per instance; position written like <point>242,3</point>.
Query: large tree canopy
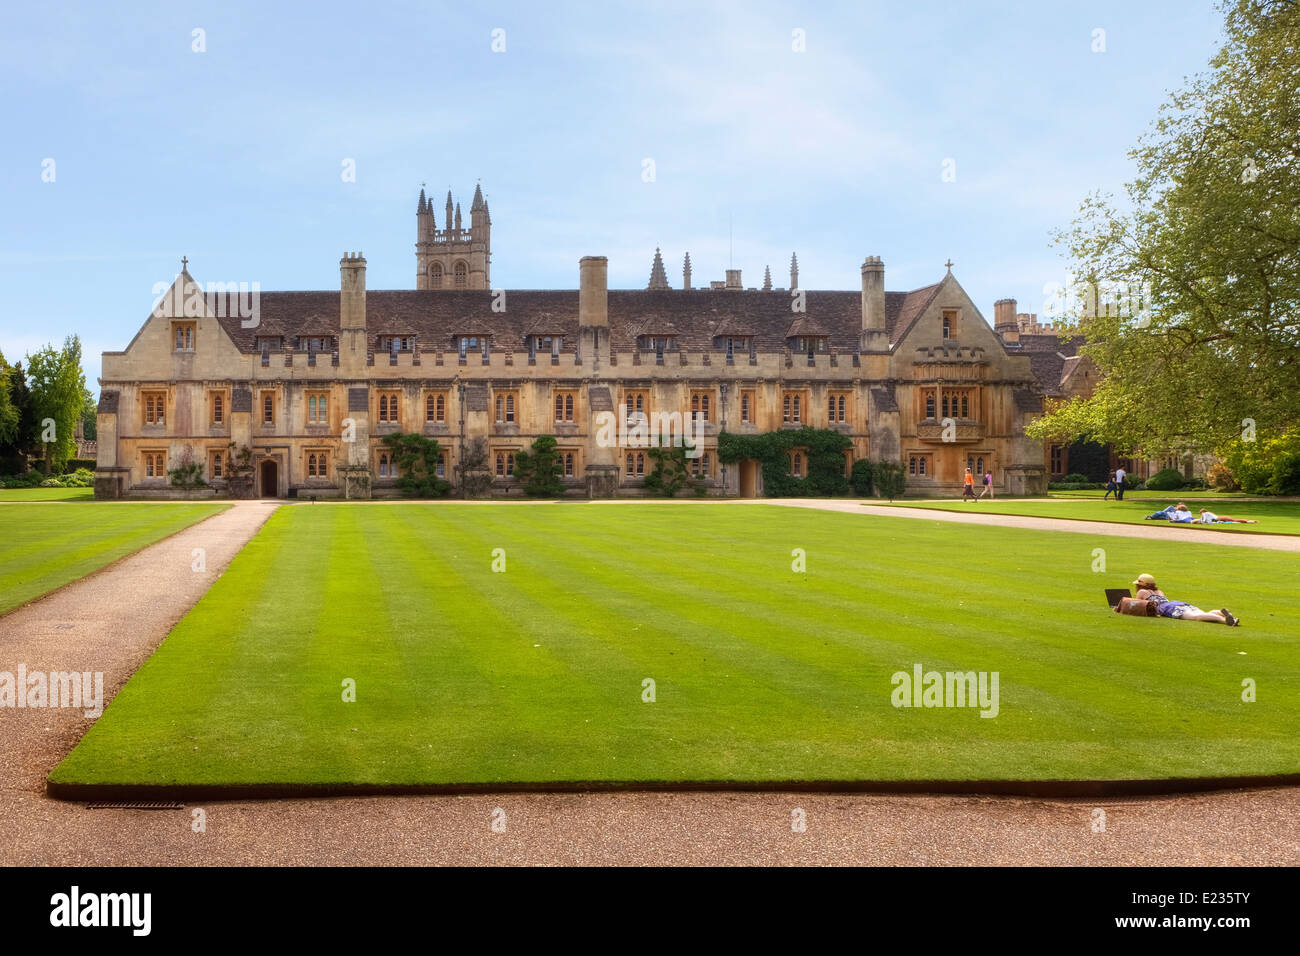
<point>58,388</point>
<point>1210,235</point>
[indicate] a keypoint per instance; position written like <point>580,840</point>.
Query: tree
<point>540,470</point>
<point>90,417</point>
<point>58,389</point>
<point>671,472</point>
<point>1192,298</point>
<point>416,457</point>
<point>8,411</point>
<point>474,475</point>
<point>890,479</point>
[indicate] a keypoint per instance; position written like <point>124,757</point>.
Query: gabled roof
<point>1048,355</point>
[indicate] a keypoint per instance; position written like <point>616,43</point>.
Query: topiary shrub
<point>1286,475</point>
<point>1170,479</point>
<point>416,458</point>
<point>540,469</point>
<point>860,478</point>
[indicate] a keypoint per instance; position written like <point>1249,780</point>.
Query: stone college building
<point>310,382</point>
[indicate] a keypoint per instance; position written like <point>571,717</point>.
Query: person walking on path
<point>968,487</point>
<point>1120,475</point>
<point>988,485</point>
<point>1110,487</point>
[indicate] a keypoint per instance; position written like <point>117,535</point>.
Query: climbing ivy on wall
<point>823,452</point>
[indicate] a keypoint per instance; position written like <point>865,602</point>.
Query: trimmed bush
<point>860,478</point>
<point>1170,479</point>
<point>1076,479</point>
<point>890,479</point>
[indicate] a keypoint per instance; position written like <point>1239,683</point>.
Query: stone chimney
<point>1004,320</point>
<point>874,335</point>
<point>593,291</point>
<point>352,287</point>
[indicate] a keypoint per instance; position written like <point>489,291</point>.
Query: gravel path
<point>1225,829</point>
<point>109,622</point>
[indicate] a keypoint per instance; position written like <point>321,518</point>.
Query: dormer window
<point>266,343</point>
<point>397,343</point>
<point>316,343</point>
<point>656,343</point>
<point>544,344</point>
<point>472,343</point>
<point>731,344</point>
<point>810,344</point>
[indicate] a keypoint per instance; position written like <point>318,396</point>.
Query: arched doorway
<point>269,479</point>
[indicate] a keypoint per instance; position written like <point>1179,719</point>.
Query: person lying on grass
<point>1209,517</point>
<point>1148,590</point>
<point>1178,513</point>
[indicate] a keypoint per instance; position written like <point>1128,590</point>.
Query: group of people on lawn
<point>1181,514</point>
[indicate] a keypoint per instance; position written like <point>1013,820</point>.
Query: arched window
<point>630,465</point>
<point>979,465</point>
<point>568,407</point>
<point>640,463</point>
<point>945,406</point>
<point>797,414</point>
<point>501,465</point>
<point>921,466</point>
<point>430,408</point>
<point>965,406</point>
<point>435,276</point>
<point>442,464</point>
<point>462,274</point>
<point>321,471</point>
<point>440,408</point>
<point>947,327</point>
<point>311,466</point>
<point>843,406</point>
<point>559,408</point>
<point>911,465</point>
<point>510,408</point>
<point>929,406</point>
<point>501,408</point>
<point>218,408</point>
<point>510,464</point>
<point>831,413</point>
<point>383,466</point>
<point>383,408</point>
<point>785,409</point>
<point>798,465</point>
<point>568,464</point>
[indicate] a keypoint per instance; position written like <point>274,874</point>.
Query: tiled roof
<point>696,316</point>
<point>1047,356</point>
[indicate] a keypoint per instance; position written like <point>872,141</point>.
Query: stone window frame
<point>315,463</point>
<point>747,399</point>
<point>388,407</point>
<point>702,404</point>
<point>267,414</point>
<point>435,406</point>
<point>565,405</point>
<point>217,402</point>
<point>313,402</point>
<point>505,405</point>
<point>153,460</point>
<point>217,464</point>
<point>189,330</point>
<point>839,406</point>
<point>153,406</point>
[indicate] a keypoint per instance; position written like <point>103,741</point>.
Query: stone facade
<point>312,383</point>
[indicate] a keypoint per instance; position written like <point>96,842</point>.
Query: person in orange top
<point>969,486</point>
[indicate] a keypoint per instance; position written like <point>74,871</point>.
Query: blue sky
<point>233,156</point>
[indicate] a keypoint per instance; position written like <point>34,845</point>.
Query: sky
<point>915,131</point>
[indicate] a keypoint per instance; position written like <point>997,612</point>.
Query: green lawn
<point>1276,517</point>
<point>46,494</point>
<point>536,674</point>
<point>44,546</point>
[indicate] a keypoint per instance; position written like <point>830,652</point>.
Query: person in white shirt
<point>1120,475</point>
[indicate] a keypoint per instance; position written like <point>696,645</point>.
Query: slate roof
<point>1047,358</point>
<point>695,316</point>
